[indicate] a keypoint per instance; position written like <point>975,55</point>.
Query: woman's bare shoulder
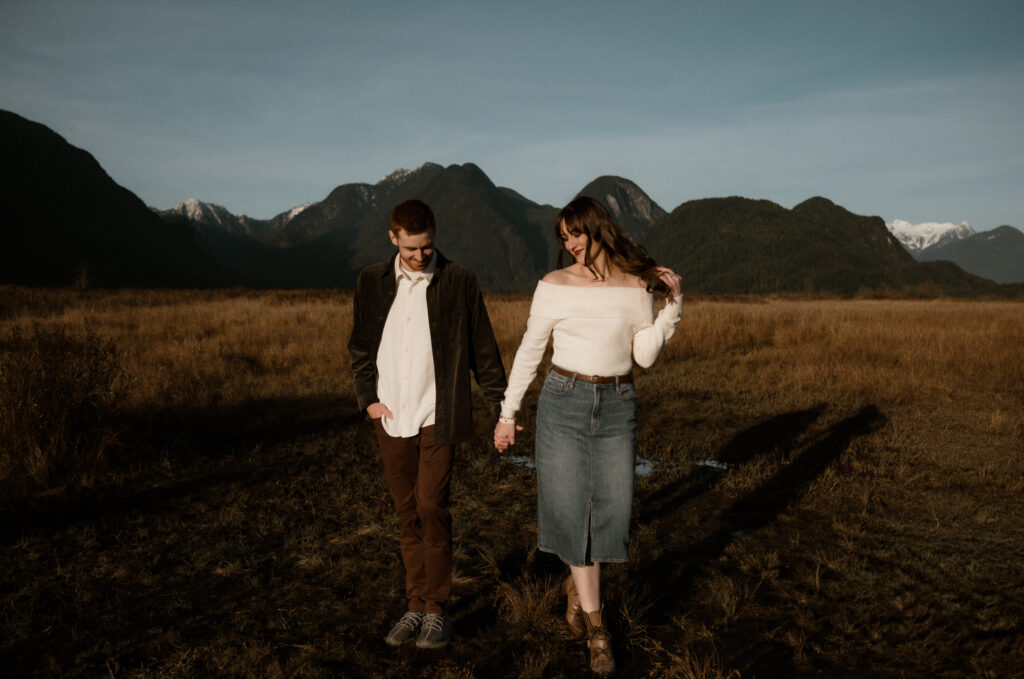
<point>559,276</point>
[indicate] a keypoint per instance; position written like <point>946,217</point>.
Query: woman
<point>600,311</point>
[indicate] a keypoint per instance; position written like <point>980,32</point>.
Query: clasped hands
<point>504,432</point>
<point>505,435</point>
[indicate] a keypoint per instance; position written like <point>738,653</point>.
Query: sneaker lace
<point>409,621</point>
<point>434,622</point>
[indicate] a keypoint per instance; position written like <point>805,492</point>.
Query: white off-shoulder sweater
<point>597,331</point>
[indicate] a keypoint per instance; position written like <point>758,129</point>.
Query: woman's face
<point>577,244</point>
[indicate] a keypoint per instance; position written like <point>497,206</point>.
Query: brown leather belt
<point>621,379</point>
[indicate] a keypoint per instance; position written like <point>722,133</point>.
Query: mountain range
<point>66,220</point>
<point>997,254</point>
<point>917,237</point>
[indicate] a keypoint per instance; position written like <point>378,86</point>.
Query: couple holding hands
<point>420,328</point>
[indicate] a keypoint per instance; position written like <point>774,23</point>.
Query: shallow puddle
<point>643,467</point>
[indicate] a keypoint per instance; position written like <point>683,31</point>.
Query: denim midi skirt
<point>586,457</point>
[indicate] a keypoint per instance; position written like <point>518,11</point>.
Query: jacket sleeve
<point>485,357</point>
<point>360,348</point>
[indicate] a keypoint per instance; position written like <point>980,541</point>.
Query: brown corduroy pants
<point>419,476</point>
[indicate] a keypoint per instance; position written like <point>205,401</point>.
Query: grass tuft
<point>529,601</point>
<point>60,395</point>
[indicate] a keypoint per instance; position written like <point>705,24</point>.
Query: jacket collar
<point>440,262</point>
<point>428,271</point>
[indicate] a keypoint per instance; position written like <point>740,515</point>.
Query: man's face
<point>416,250</point>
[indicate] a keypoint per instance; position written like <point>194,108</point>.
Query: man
<point>420,326</point>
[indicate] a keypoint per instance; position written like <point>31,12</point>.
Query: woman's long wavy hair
<point>586,215</point>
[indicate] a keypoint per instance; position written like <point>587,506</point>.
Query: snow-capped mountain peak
<point>917,237</point>
<point>396,176</point>
<point>197,210</point>
<point>212,218</point>
<point>402,174</point>
<point>294,212</point>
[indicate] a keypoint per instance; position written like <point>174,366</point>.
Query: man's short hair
<point>412,216</point>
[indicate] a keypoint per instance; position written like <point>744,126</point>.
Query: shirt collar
<point>415,276</point>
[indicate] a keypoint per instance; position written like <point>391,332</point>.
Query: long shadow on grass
<point>677,570</point>
<point>204,445</point>
<point>777,433</point>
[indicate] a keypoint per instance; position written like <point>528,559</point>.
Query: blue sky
<point>906,110</point>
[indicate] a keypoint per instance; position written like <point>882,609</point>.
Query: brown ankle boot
<point>573,610</point>
<point>602,663</point>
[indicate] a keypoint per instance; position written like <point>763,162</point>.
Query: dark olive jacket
<point>461,339</point>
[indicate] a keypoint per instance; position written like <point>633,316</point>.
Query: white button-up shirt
<point>405,360</point>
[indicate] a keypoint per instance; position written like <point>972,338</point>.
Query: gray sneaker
<point>435,632</point>
<point>405,629</point>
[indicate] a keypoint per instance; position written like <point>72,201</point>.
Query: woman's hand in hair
<point>673,280</point>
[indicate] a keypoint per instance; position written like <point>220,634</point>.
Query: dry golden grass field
<point>188,491</point>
